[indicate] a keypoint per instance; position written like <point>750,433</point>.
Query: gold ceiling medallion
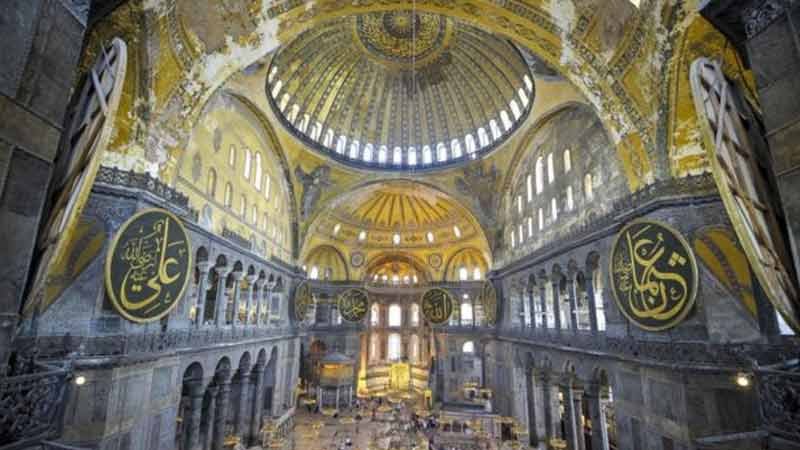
<point>488,300</point>
<point>303,300</point>
<point>437,305</point>
<point>353,305</point>
<point>89,130</point>
<point>403,39</point>
<point>148,266</point>
<point>745,191</point>
<point>653,275</point>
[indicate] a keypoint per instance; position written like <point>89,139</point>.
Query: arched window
<point>354,147</point>
<point>515,109</point>
<point>470,142</point>
<point>314,274</point>
<point>304,124</point>
<point>588,189</point>
<point>367,156</point>
<point>523,97</point>
<point>272,74</point>
<point>570,201</point>
<point>507,124</point>
<point>483,137</point>
<point>277,88</point>
<point>382,154</point>
<point>396,239</point>
<point>519,204</point>
<point>375,315</point>
<point>397,156</point>
<point>567,161</point>
<point>430,237</point>
<point>341,144</point>
<point>293,113</point>
<point>528,83</point>
<point>463,275</point>
<point>554,208</point>
<point>414,315</point>
<point>455,147</point>
<point>466,313</point>
<point>228,195</point>
<point>254,214</point>
<point>551,170</point>
<point>513,239</point>
<point>457,231</point>
<point>530,226</point>
<point>541,219</point>
<point>232,156</point>
<point>395,315</point>
<point>211,189</point>
<point>412,156</point>
<point>243,206</point>
<point>441,152</point>
<point>328,141</point>
<point>284,102</point>
<point>539,175</point>
<point>265,224</point>
<point>248,157</point>
<point>496,133</point>
<point>521,234</point>
<point>529,187</point>
<point>468,347</point>
<point>259,172</point>
<point>394,347</point>
<point>476,274</point>
<point>427,158</point>
<point>267,186</point>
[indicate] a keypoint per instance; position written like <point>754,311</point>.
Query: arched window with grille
<point>588,188</point>
<point>367,156</point>
<point>232,156</point>
<point>383,154</point>
<point>567,161</point>
<point>551,169</point>
<point>539,175</point>
<point>529,187</point>
<point>414,315</point>
<point>375,315</point>
<point>397,156</point>
<point>466,313</point>
<point>412,156</point>
<point>395,315</point>
<point>259,172</point>
<point>427,157</point>
<point>228,200</point>
<point>211,188</point>
<point>441,152</point>
<point>248,157</point>
<point>483,137</point>
<point>394,347</point>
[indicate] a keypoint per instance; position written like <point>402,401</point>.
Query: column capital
<point>222,271</point>
<point>259,283</point>
<point>238,275</point>
<point>251,279</point>
<point>204,266</point>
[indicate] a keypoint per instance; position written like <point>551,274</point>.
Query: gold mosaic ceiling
<point>400,89</point>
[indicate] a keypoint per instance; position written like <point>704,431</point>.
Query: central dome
<point>400,90</point>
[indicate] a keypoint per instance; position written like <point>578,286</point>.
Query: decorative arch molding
<point>467,253</point>
<point>323,253</point>
<point>404,257</point>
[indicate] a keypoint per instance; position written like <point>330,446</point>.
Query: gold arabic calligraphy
<point>148,266</point>
<point>437,305</point>
<point>654,275</point>
<point>353,305</point>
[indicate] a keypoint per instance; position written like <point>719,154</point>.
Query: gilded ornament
<point>353,305</point>
<point>653,275</point>
<point>303,299</point>
<point>148,265</point>
<point>437,305</point>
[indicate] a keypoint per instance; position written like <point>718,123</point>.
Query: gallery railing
<point>779,395</point>
<point>58,347</point>
<point>31,405</point>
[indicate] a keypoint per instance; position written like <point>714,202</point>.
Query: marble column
<point>573,304</point>
<point>221,411</point>
<point>597,414</point>
<point>211,414</point>
<point>543,302</point>
<point>251,291</point>
<point>539,421</point>
<point>530,391</point>
<point>550,415</point>
<point>219,316</point>
<point>244,388</point>
<point>203,267</point>
<point>237,294</point>
<point>258,299</point>
<point>193,416</point>
<point>577,402</point>
<point>257,405</point>
<point>592,303</point>
<point>570,422</point>
<point>557,306</point>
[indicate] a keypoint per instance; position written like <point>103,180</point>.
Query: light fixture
<point>742,380</point>
<point>80,380</point>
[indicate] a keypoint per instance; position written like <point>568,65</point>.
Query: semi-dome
<point>400,89</point>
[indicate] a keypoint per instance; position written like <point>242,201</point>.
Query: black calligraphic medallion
<point>437,306</point>
<point>148,265</point>
<point>303,299</point>
<point>488,300</point>
<point>353,305</point>
<point>653,275</point>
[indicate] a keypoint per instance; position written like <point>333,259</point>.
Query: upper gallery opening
<point>400,90</point>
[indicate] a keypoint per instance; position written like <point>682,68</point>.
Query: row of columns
<point>545,418</point>
<point>214,420</point>
<point>255,286</point>
<point>571,291</point>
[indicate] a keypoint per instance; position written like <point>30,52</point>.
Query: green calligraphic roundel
<point>353,305</point>
<point>488,300</point>
<point>653,275</point>
<point>148,266</point>
<point>303,299</point>
<point>437,306</point>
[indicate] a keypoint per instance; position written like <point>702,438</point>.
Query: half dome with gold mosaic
<point>400,90</point>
